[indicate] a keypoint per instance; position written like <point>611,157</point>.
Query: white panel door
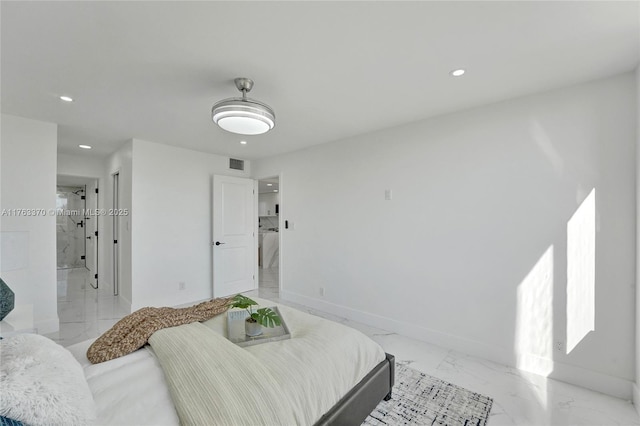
<point>233,243</point>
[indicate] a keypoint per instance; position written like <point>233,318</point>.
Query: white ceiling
<point>152,70</point>
<point>266,186</point>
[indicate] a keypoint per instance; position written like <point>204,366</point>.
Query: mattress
<point>321,362</point>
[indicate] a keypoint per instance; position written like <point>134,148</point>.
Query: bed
<point>326,374</point>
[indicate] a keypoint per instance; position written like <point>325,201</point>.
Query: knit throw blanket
<point>133,331</point>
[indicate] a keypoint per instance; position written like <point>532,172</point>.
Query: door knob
<point>218,243</point>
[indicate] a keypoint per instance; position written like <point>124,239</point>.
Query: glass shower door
<point>70,227</point>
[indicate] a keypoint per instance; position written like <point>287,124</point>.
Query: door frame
<point>256,236</point>
<point>87,181</point>
<point>115,203</point>
<point>95,218</point>
<point>280,227</point>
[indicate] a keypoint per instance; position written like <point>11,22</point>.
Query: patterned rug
<point>424,400</point>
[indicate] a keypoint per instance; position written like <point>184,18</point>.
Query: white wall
<point>81,165</point>
<point>121,162</point>
<point>471,252</point>
<point>28,175</point>
<point>172,223</point>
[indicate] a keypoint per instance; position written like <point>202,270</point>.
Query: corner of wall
<point>33,270</point>
<point>127,303</point>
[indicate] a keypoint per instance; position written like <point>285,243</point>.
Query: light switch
<point>388,194</point>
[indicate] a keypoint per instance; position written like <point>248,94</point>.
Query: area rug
<point>421,399</point>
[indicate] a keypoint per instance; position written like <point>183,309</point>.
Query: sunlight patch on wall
<point>534,318</point>
<point>581,272</point>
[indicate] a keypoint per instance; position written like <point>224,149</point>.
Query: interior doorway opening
<point>86,307</point>
<point>269,203</point>
<point>77,225</point>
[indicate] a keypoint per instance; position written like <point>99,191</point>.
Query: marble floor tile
<point>74,332</point>
<point>420,355</point>
<point>269,278</point>
<point>84,312</point>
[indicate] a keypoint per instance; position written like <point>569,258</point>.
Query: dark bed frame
<point>356,405</point>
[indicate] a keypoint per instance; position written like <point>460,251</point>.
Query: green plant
<point>266,317</point>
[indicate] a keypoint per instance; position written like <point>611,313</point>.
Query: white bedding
<point>130,390</point>
<point>315,368</point>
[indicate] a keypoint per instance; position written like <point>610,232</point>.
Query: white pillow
<point>42,383</point>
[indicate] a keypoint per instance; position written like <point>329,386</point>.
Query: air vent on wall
<point>236,164</point>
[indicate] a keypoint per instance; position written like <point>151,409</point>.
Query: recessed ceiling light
<point>275,190</point>
<point>243,142</point>
<point>457,73</point>
<point>84,146</point>
<point>269,184</point>
<point>66,98</point>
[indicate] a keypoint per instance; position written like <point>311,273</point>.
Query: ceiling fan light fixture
<point>243,116</point>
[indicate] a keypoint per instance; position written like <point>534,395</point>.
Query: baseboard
<point>636,397</point>
<point>610,385</point>
<point>599,382</point>
<point>186,305</point>
<point>413,331</point>
<point>47,326</point>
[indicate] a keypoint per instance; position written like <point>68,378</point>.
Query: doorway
<point>269,236</point>
<point>85,309</point>
<point>77,226</point>
<point>76,232</point>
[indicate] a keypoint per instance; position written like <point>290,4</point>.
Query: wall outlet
<point>559,346</point>
<point>182,285</point>
<point>321,291</point>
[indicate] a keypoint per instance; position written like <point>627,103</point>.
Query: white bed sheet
<point>132,390</point>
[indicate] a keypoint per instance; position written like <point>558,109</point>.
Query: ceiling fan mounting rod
<point>244,85</point>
